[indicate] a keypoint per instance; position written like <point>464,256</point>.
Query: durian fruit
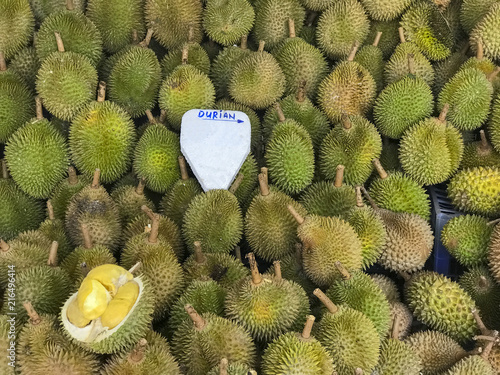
<point>466,237</point>
<point>494,253</point>
<point>441,304</point>
<point>353,143</point>
<point>341,25</point>
<point>223,268</point>
<point>94,207</point>
<point>316,5</point>
<point>5,335</point>
<point>399,193</point>
<point>224,368</point>
<point>469,95</point>
<point>326,199</point>
<point>290,156</point>
<point>171,21</point>
<point>475,190</point>
<point>102,136</point>
<point>198,57</point>
<point>493,358</point>
<point>480,154</point>
<point>475,364</point>
<point>79,34</point>
<point>134,78</point>
<point>403,103</point>
<point>117,21</point>
<point>389,39</point>
<point>303,65</point>
<point>257,80</point>
<point>53,230</point>
<point>484,64</point>
<point>64,98</point>
<point>269,230</point>
<point>482,32</point>
<point>472,12</point>
<point>388,287</point>
<point>37,156</point>
<point>110,312</point>
<point>371,57</point>
<point>151,355</point>
<point>349,336</point>
<point>404,317</point>
<point>437,351</point>
<point>447,68</point>
<point>494,125</point>
<point>297,352</point>
<point>215,219</point>
<point>267,306</point>
<point>129,200</point>
<point>43,8</point>
<point>225,22</point>
<point>16,26</point>
<point>246,181</point>
<point>385,11</point>
<point>327,240</point>
<point>430,151</point>
<point>358,291</point>
<point>348,90</point>
<point>159,266</point>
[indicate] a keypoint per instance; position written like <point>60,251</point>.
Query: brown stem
<point>185,54</point>
<point>95,179</point>
<point>494,222</point>
<point>236,183</point>
<point>84,269</point>
<point>396,327</point>
<point>5,171</point>
<point>487,348</point>
<point>101,92</point>
<point>237,252</point>
<point>147,39</point>
<point>3,64</point>
<point>261,46</point>
<point>87,238</point>
<point>332,308</point>
<point>256,278</point>
<point>346,122</point>
<point>33,315</point>
<point>483,282</point>
<point>277,269</point>
<point>358,371</point>
<point>135,36</point>
<point>401,32</point>
<point>70,5</point>
<point>291,28</point>
<point>405,275</point>
<point>354,49</point>
<point>359,197</point>
<point>223,366</point>
<point>148,211</point>
<point>264,187</point>
<point>39,107</point>
<point>59,41</point>
<point>493,74</point>
<point>485,331</point>
<point>343,271</point>
<point>339,176</point>
<point>485,338</point>
<point>183,168</point>
<point>411,63</point>
<point>138,353</point>
<point>198,321</point>
<point>139,190</point>
<point>264,171</point>
<point>135,267</point>
<point>444,113</point>
<point>50,210</point>
<point>72,177</point>
<point>52,261</point>
<point>295,214</point>
<point>369,198</point>
<point>480,50</point>
<point>199,257</point>
<point>279,110</point>
<point>377,39</point>
<point>306,332</point>
<point>150,116</point>
<point>244,42</point>
<point>380,170</point>
<point>301,92</point>
<point>163,116</point>
<point>484,142</point>
<point>153,235</point>
<point>4,246</point>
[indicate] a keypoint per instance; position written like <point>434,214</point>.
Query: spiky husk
<point>474,364</point>
<point>494,125</point>
<point>129,203</point>
<point>383,10</point>
<point>400,310</point>
<point>397,66</point>
<point>16,26</point>
<point>389,39</point>
<point>197,57</point>
<point>223,67</point>
<point>26,64</point>
<point>472,12</point>
<point>176,201</point>
<point>483,32</point>
<point>478,155</point>
<point>388,287</point>
<point>53,230</point>
<point>372,59</point>
<point>44,8</point>
<point>232,369</point>
<point>63,192</point>
<point>447,68</point>
<point>324,199</point>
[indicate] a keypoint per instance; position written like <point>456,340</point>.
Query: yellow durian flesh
<point>75,315</point>
<point>120,305</point>
<point>93,299</point>
<point>111,276</point>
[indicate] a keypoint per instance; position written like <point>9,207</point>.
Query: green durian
<point>494,125</point>
<point>388,287</point>
<point>472,12</point>
<point>371,57</point>
<point>130,200</point>
<point>316,5</point>
<point>397,357</point>
<point>482,32</point>
<point>44,8</point>
<point>480,154</point>
<point>231,369</point>
<point>53,230</point>
<point>26,65</point>
<point>445,69</point>
<point>197,57</point>
<point>389,39</point>
<point>402,318</point>
<point>16,26</point>
<point>475,364</point>
<point>380,10</point>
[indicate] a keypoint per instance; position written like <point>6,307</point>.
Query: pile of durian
<point>318,259</point>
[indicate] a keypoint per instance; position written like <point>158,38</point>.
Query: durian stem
<point>444,113</point>
<point>236,183</point>
<point>301,92</point>
<point>264,187</point>
<point>198,321</point>
<point>223,366</point>
<point>346,123</point>
<point>183,168</point>
<point>359,197</point>
<point>401,32</point>
<point>411,63</point>
<point>406,276</point>
<point>139,190</point>
<point>261,46</point>
<point>84,269</point>
<point>485,338</point>
<point>135,267</point>
<point>244,42</point>
<point>354,49</point>
<point>148,211</point>
<point>264,171</point>
<point>306,332</point>
<point>369,198</point>
<point>493,74</point>
<point>135,36</point>
<point>95,179</point>
<point>380,170</point>
<point>339,176</point>
<point>150,116</point>
<point>484,141</point>
<point>487,348</point>
<point>50,210</point>
<point>291,28</point>
<point>485,331</point>
<point>295,214</point>
<point>3,64</point>
<point>343,271</point>
<point>4,246</point>
<point>52,261</point>
<point>185,54</point>
<point>358,371</point>
<point>377,39</point>
<point>147,39</point>
<point>198,253</point>
<point>138,353</point>
<point>277,270</point>
<point>494,222</point>
<point>163,116</point>
<point>33,315</point>
<point>5,171</point>
<point>101,92</point>
<point>237,252</point>
<point>395,327</point>
<point>87,238</point>
<point>72,177</point>
<point>70,5</point>
<point>483,282</point>
<point>332,308</point>
<point>59,41</point>
<point>39,107</point>
<point>279,111</point>
<point>256,278</point>
<point>479,50</point>
<point>153,235</point>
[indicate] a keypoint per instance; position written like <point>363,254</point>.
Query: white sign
<point>215,143</point>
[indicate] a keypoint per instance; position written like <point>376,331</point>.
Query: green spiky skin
<point>197,57</point>
<point>129,203</point>
<point>199,350</point>
<point>482,32</point>
<point>327,240</point>
<point>176,201</point>
<point>225,22</point>
<point>350,338</point>
<point>6,336</point>
<point>354,148</point>
<point>134,80</point>
<point>305,113</point>
<point>447,68</point>
<point>361,293</point>
<point>401,311</point>
<point>340,26</point>
<point>397,66</point>
<point>466,237</point>
<point>267,309</point>
<point>156,360</point>
<point>348,90</point>
<point>372,59</point>
<point>494,125</point>
<point>214,218</point>
<point>291,353</point>
<point>223,66</point>
<point>16,26</point>
<point>437,351</point>
<point>37,158</point>
<point>397,357</point>
<point>172,19</point>
<point>186,88</point>
<point>271,20</point>
<point>227,105</point>
<point>250,172</point>
<point>389,39</point>
<point>65,98</point>
<point>477,154</point>
<point>269,229</point>
<point>63,192</point>
<point>18,211</point>
<point>475,190</point>
<point>205,296</point>
<point>430,152</point>
<point>78,33</point>
<point>155,158</point>
<point>257,81</point>
<point>316,5</point>
<point>17,105</point>
<point>232,369</point>
<point>212,49</point>
<point>301,62</point>
<point>371,231</point>
<point>102,136</point>
<point>474,364</point>
<point>388,287</point>
<point>472,12</point>
<point>399,193</point>
<point>116,20</point>
<point>402,104</point>
<point>26,64</point>
<point>54,230</point>
<point>441,304</point>
<point>383,10</point>
<point>324,199</point>
<point>96,256</point>
<point>421,26</point>
<point>95,208</point>
<point>44,8</point>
